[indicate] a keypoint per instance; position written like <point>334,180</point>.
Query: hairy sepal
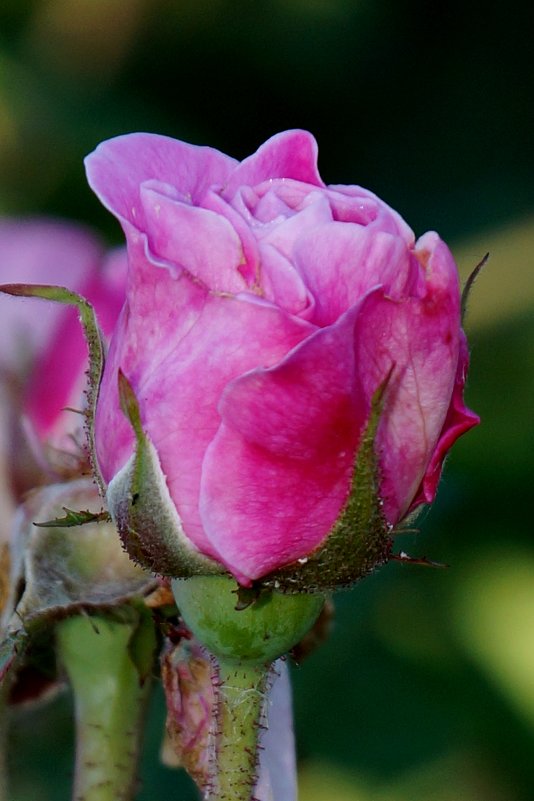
<point>360,539</point>
<point>143,511</point>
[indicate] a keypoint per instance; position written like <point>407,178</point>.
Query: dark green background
<point>426,687</point>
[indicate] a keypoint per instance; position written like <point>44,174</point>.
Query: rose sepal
<point>360,539</point>
<point>143,511</point>
<point>95,345</point>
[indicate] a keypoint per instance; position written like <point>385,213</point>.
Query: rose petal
<point>38,251</point>
<point>283,234</point>
<point>58,378</point>
<point>200,241</point>
<point>459,420</point>
<point>340,262</point>
<point>278,470</point>
<point>291,154</point>
<point>202,341</point>
<point>275,199</point>
<point>282,284</point>
<point>280,424</point>
<point>355,204</point>
<point>420,337</point>
<point>118,167</point>
<point>249,267</point>
<point>47,336</point>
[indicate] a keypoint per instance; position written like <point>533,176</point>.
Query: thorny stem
<point>240,709</point>
<point>109,705</point>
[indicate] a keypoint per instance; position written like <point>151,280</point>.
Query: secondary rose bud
<point>186,675</point>
<point>293,360</point>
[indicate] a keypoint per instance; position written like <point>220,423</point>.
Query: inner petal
<point>340,262</point>
<point>198,240</point>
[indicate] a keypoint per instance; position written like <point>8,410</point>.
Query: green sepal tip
<point>468,286</point>
<point>73,518</point>
<point>95,345</point>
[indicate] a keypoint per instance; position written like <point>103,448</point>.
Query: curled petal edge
<point>458,421</point>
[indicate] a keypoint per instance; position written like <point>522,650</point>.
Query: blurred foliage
<point>425,689</point>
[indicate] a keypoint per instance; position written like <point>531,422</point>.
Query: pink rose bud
<point>292,364</point>
<point>43,360</point>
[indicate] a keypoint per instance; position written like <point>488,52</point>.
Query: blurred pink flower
<point>264,309</point>
<point>43,358</point>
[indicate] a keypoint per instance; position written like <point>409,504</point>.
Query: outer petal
<point>278,471</point>
<point>459,420</point>
<point>202,342</point>
<point>118,167</point>
<point>421,337</point>
<point>291,154</point>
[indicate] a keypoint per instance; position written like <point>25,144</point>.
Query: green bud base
<point>266,629</point>
<point>245,642</point>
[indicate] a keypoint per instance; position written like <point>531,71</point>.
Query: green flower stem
<point>3,740</point>
<point>245,638</point>
<point>240,707</point>
<point>109,706</point>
